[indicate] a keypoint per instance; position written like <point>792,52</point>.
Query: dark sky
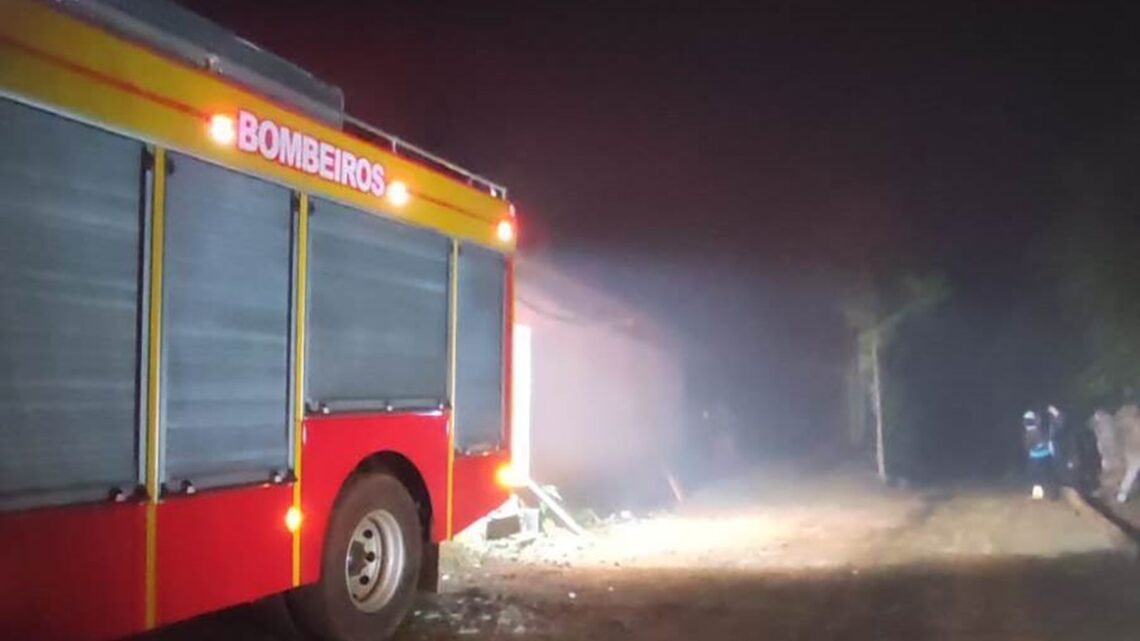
<point>750,158</point>
<point>755,128</point>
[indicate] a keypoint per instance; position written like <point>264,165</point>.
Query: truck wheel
<point>369,566</point>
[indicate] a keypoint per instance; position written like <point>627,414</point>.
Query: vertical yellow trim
<point>151,565</point>
<point>154,379</point>
<point>452,343</point>
<point>301,280</point>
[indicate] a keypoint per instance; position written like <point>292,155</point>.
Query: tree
<point>876,313</point>
<point>1092,251</point>
<point>1098,262</point>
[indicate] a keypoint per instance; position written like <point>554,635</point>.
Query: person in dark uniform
<point>1039,449</point>
<point>1064,459</point>
<point>1074,452</point>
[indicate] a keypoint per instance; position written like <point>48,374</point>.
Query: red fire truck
<point>248,344</point>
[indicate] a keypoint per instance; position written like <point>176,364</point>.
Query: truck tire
<point>369,566</point>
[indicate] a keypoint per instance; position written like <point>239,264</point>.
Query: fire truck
<point>249,345</point>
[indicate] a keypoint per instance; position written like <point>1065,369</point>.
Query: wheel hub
<point>374,560</point>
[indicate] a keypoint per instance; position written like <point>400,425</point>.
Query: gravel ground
<point>781,557</point>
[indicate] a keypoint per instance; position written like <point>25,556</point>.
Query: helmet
<point>1030,420</point>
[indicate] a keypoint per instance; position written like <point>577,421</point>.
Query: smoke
<point>647,367</point>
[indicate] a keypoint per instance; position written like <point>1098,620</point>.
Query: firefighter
<point>1039,449</point>
<point>1054,423</point>
<point>1073,451</point>
<point>1064,462</point>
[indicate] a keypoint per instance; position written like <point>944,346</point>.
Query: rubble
<point>501,528</point>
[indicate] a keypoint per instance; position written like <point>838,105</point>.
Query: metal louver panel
<point>69,279</point>
<point>479,358</point>
<point>377,312</point>
<point>226,325</point>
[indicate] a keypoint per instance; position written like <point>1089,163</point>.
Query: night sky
<point>733,167</point>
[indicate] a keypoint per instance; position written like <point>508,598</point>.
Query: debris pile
<point>553,546</point>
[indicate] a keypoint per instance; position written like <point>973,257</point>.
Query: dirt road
<point>823,558</point>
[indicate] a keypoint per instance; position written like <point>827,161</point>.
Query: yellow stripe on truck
<point>154,378</point>
<point>301,294</point>
<point>51,59</point>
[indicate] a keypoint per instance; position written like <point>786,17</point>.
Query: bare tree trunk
<point>877,400</point>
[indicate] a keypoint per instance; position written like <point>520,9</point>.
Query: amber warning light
<point>509,477</point>
<point>505,231</point>
<point>293,519</point>
<point>398,193</point>
<point>222,129</point>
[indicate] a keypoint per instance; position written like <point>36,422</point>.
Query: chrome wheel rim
<point>374,560</point>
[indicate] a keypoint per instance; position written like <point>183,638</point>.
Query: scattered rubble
<point>503,527</point>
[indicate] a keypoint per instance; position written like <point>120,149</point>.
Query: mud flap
<point>429,569</point>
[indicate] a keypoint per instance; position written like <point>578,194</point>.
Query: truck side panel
<point>222,547</point>
<point>72,573</point>
<point>335,445</point>
<point>475,493</point>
